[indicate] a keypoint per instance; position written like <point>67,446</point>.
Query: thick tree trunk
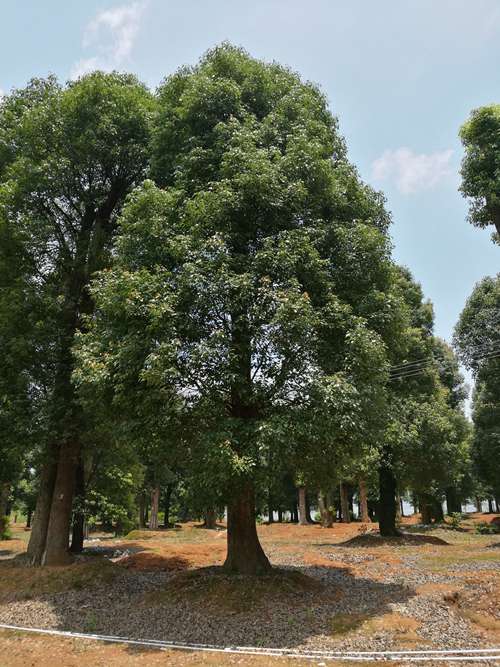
<point>453,503</point>
<point>363,502</point>
<point>479,505</point>
<point>78,528</point>
<point>344,502</point>
<point>57,543</point>
<point>387,503</point>
<point>302,506</point>
<point>155,503</point>
<point>308,509</point>
<point>38,536</point>
<point>210,519</point>
<point>244,551</point>
<point>490,506</point>
<point>497,505</point>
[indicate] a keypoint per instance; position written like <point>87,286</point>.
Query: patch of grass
<point>441,562</point>
<point>485,622</point>
<point>24,583</point>
<point>343,624</point>
<point>214,588</point>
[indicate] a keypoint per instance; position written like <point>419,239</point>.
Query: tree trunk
<point>142,510</point>
<point>155,502</point>
<point>363,502</point>
<point>425,505</point>
<point>210,519</point>
<point>308,510</point>
<point>398,507</point>
<point>270,511</point>
<point>38,536</point>
<point>244,551</point>
<point>387,503</point>
<point>166,506</point>
<point>490,506</point>
<point>4,498</point>
<point>78,533</point>
<point>302,506</point>
<point>479,505</point>
<point>324,510</point>
<point>497,505</point>
<point>452,500</point>
<point>294,513</point>
<point>29,516</point>
<point>57,543</point>
<point>344,503</point>
<point>280,515</point>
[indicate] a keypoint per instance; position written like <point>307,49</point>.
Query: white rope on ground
<point>484,654</point>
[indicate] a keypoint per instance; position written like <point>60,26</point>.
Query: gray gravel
<point>302,621</point>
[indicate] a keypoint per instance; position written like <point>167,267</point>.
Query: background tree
<point>481,166</point>
<point>68,157</point>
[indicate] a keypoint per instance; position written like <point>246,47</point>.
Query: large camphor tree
<point>68,157</point>
<point>228,300</point>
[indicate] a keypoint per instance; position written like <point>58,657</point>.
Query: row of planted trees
<point>196,285</point>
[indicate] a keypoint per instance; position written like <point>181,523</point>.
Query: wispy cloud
<point>412,172</point>
<point>112,34</point>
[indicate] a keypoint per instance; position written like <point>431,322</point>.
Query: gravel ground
<point>366,588</point>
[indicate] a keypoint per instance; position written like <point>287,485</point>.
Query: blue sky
<point>402,76</point>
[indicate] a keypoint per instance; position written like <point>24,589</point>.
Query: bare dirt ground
<point>342,588</point>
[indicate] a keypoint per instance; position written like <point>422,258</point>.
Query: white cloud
<point>112,34</point>
<point>410,171</point>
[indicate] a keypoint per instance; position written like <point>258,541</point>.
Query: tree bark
<point>29,517</point>
<point>453,503</point>
<point>38,536</point>
<point>387,503</point>
<point>324,510</point>
<point>166,506</point>
<point>57,542</point>
<point>479,505</point>
<point>490,506</point>
<point>244,551</point>
<point>302,506</point>
<point>155,502</point>
<point>78,528</point>
<point>280,515</point>
<point>142,510</point>
<point>363,502</point>
<point>344,503</point>
<point>210,519</point>
<point>4,498</point>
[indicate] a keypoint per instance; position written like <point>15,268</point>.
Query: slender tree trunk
<point>344,503</point>
<point>29,516</point>
<point>490,506</point>
<point>479,505</point>
<point>387,503</point>
<point>142,510</point>
<point>270,510</point>
<point>280,515</point>
<point>166,506</point>
<point>363,502</point>
<point>398,507</point>
<point>210,519</point>
<point>497,505</point>
<point>244,551</point>
<point>308,509</point>
<point>302,506</point>
<point>155,502</point>
<point>38,536</point>
<point>78,533</point>
<point>57,544</point>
